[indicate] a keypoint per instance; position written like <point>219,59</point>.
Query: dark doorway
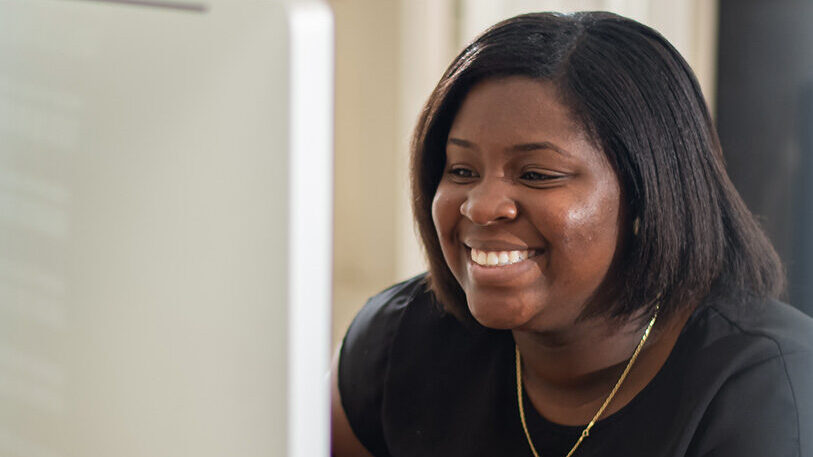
<point>765,120</point>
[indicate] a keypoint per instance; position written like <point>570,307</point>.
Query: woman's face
<point>528,209</point>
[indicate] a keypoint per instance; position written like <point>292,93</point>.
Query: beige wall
<point>366,139</point>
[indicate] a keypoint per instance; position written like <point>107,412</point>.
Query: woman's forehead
<point>514,113</point>
<point>514,108</point>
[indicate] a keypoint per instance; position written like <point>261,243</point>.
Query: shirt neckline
<point>539,424</point>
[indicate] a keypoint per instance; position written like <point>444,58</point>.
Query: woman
<point>596,285</point>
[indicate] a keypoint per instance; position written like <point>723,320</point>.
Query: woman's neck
<point>568,374</point>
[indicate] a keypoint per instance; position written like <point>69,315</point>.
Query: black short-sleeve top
<point>414,381</point>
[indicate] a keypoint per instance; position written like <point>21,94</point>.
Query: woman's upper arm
<point>358,377</point>
<point>344,442</point>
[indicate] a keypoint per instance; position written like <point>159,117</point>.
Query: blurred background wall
<point>390,54</point>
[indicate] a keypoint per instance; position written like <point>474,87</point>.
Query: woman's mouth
<point>499,258</point>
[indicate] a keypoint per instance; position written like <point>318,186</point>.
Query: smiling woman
<point>596,285</point>
<point>522,177</point>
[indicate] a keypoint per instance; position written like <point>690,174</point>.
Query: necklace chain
<point>586,431</point>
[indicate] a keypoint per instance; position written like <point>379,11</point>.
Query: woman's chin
<point>499,316</point>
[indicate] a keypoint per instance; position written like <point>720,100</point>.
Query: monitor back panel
<point>145,205</point>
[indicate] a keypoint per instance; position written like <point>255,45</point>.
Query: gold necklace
<point>586,431</point>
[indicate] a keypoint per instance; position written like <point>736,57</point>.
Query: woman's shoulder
<point>778,329</point>
<point>405,316</point>
<point>750,366</point>
<point>735,336</point>
<point>379,318</point>
<point>405,362</point>
<point>364,357</point>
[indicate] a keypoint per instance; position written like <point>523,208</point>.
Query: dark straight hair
<point>639,101</point>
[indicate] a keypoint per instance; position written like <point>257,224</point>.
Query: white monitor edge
<point>311,189</point>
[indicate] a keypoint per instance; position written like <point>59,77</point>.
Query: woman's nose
<point>489,202</point>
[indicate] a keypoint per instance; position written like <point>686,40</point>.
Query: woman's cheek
<point>444,212</point>
<point>591,229</point>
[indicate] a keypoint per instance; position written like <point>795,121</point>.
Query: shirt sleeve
<point>763,411</point>
<point>364,362</point>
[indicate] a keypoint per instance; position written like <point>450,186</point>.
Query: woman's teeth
<point>498,258</point>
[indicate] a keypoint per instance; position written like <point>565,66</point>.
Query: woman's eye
<point>460,172</point>
<point>537,176</point>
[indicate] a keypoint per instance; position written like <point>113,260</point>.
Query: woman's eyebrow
<point>523,147</point>
<point>462,143</point>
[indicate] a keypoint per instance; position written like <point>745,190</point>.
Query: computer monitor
<point>165,227</point>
